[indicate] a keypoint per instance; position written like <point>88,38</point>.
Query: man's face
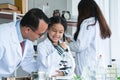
<point>34,35</point>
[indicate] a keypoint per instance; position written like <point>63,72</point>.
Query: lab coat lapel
<point>15,42</point>
<point>25,51</point>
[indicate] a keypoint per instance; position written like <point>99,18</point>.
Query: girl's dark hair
<point>87,9</point>
<point>58,19</point>
<point>32,17</point>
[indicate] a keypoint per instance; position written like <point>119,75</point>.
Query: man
<point>16,48</point>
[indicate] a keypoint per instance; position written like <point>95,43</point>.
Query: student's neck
<point>55,43</point>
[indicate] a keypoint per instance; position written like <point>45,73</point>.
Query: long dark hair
<point>87,9</point>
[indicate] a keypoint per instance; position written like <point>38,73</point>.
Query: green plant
<point>77,78</point>
<point>118,78</point>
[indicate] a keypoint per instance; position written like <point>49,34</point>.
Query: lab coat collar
<point>20,38</point>
<point>14,41</point>
<point>18,31</point>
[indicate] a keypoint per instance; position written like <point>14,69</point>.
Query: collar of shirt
<point>18,31</point>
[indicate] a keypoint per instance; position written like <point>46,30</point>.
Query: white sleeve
<point>42,57</point>
<point>84,38</point>
<point>1,51</point>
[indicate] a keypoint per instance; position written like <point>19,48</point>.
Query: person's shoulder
<point>44,43</point>
<point>6,25</point>
<point>89,20</point>
<point>45,46</point>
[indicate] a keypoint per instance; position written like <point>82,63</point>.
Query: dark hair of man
<point>32,17</point>
<point>87,9</point>
<point>58,19</point>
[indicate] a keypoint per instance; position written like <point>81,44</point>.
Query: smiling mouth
<point>55,39</point>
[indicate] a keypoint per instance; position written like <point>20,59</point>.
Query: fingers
<point>63,45</point>
<point>59,73</point>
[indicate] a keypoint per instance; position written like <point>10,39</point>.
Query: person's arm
<point>42,57</point>
<point>59,73</point>
<point>84,39</point>
<point>1,51</point>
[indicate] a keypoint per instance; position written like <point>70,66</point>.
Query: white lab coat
<point>48,58</point>
<point>87,47</point>
<point>10,51</point>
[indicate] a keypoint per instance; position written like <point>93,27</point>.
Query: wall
<point>42,4</point>
<point>7,1</point>
<point>58,4</point>
<point>115,27</point>
<point>72,7</point>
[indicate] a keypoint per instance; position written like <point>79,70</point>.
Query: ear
<point>27,29</point>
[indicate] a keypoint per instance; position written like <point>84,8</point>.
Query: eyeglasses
<point>41,34</point>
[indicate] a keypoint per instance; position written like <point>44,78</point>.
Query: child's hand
<point>59,73</point>
<point>63,45</point>
<point>68,39</point>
